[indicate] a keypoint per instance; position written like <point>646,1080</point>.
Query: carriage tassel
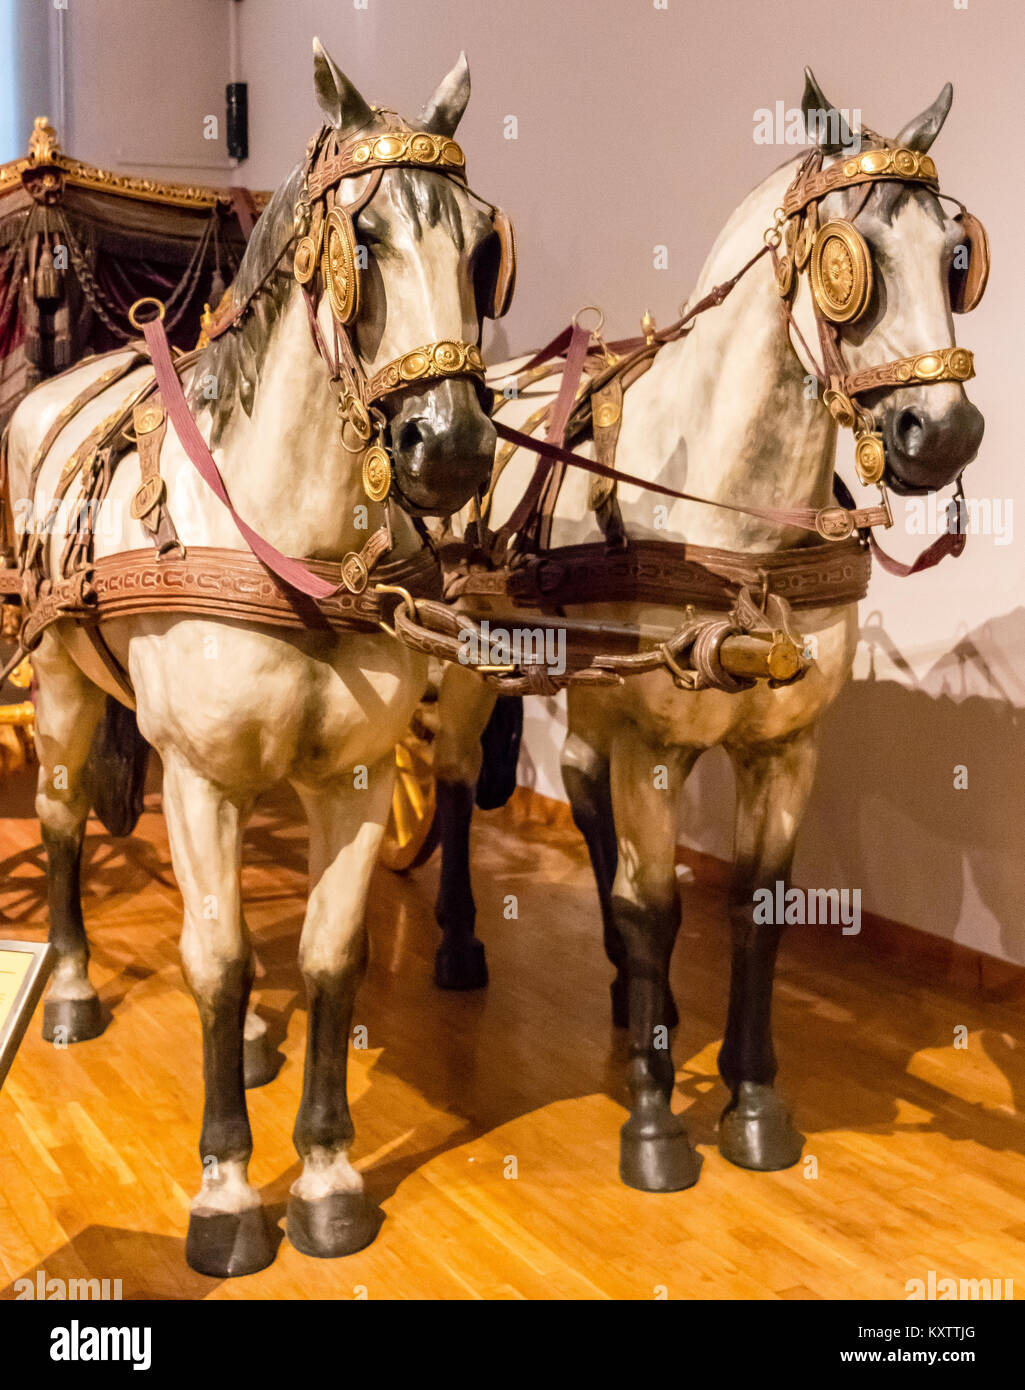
<point>48,278</point>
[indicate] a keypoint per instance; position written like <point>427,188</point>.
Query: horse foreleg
<point>773,784</point>
<point>655,1151</point>
<point>328,1212</point>
<point>585,776</point>
<point>464,708</point>
<point>228,1233</point>
<point>68,709</point>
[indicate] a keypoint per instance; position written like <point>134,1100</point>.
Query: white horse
<point>726,414</point>
<point>234,708</point>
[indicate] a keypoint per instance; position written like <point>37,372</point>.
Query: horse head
<point>411,300</point>
<point>917,265</point>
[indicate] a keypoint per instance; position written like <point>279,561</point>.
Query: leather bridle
<point>796,243</point>
<point>796,225</point>
<point>326,262</point>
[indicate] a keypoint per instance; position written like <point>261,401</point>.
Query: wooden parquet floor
<point>487,1124</point>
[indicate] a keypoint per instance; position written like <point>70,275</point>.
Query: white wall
<point>140,78</point>
<point>636,129</point>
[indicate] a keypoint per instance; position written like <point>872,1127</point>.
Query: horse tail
<point>116,769</point>
<point>500,742</point>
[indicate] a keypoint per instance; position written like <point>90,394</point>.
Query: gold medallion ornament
<point>338,265</point>
<point>305,261</point>
<point>784,276</point>
<point>834,523</point>
<point>803,245</point>
<point>869,456</point>
<point>840,407</point>
<point>148,495</point>
<point>354,573</point>
<point>841,271</point>
<point>376,473</point>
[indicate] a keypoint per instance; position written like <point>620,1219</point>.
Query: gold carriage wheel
<point>412,832</point>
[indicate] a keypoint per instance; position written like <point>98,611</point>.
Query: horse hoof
<point>226,1244</point>
<point>339,1224</point>
<point>657,1162</point>
<point>72,1020</point>
<point>260,1062</point>
<point>463,966</point>
<point>621,1008</point>
<point>755,1130</point>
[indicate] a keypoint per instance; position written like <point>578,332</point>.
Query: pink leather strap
<point>806,518</point>
<point>292,572</point>
<point>950,543</point>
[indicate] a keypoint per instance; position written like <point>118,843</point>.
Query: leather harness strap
<point>670,573</point>
<point>214,582</point>
<point>147,506</point>
<point>293,572</point>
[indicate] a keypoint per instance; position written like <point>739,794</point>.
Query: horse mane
<point>233,361</point>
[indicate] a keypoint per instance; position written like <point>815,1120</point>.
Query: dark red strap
<point>559,414</point>
<point>556,348</point>
<point>950,543</point>
<point>803,517</point>
<point>244,208</point>
<point>292,572</point>
<point>575,341</point>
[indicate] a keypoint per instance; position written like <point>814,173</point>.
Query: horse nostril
<point>909,429</point>
<point>409,436</point>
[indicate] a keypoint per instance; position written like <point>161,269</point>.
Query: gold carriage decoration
<point>40,195</point>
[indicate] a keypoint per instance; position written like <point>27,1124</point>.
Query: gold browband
<point>416,148</point>
<point>907,166</point>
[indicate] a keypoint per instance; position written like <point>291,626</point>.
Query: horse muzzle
<point>930,435</point>
<point>442,446</point>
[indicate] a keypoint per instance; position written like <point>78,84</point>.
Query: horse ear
<point>339,100</point>
<point>445,109</point>
<point>824,122</point>
<point>923,130</point>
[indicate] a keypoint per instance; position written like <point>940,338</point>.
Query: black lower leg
<point>340,1219</point>
<point>655,1151</point>
<point>460,962</point>
<point>755,1130</point>
<point>228,1233</point>
<point>72,1011</point>
<point>590,800</point>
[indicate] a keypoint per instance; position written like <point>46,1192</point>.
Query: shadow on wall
<point>920,788</point>
<point>889,814</point>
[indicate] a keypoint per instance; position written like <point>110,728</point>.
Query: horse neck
<point>284,466</point>
<point>730,412</point>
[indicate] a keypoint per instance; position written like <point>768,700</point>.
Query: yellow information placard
<point>14,967</point>
<point>24,969</point>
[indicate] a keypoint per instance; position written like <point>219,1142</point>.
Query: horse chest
<point>307,707</point>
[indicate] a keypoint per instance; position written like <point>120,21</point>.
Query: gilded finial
<point>205,320</point>
<point>648,327</point>
<point>43,142</point>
